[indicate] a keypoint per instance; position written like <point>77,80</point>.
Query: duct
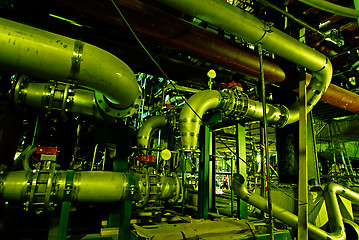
<point>333,8</point>
<point>34,187</point>
<point>238,185</point>
<point>227,17</point>
<point>51,56</point>
<point>148,127</point>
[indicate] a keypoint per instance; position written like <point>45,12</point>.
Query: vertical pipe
<point>265,139</point>
<point>314,141</point>
<point>303,164</point>
<point>242,211</point>
<point>183,176</point>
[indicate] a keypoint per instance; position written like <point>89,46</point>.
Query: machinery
<point>163,119</point>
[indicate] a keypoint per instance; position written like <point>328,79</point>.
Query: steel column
<point>66,204</point>
<point>203,175</point>
<point>242,211</point>
<point>264,143</point>
<point>303,164</point>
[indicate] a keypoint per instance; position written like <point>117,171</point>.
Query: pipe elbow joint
<point>115,110</point>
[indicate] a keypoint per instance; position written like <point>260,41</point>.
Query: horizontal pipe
<point>333,8</point>
<point>227,17</point>
<point>88,186</point>
<point>238,185</point>
<point>159,27</point>
<point>51,56</point>
<point>63,99</point>
<point>152,23</point>
<point>342,98</point>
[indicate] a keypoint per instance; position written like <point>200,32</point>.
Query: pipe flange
<point>229,98</point>
<point>111,110</point>
<point>178,194</point>
<point>283,117</point>
<point>146,183</point>
<point>18,90</point>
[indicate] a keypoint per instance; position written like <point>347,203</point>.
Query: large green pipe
<point>254,30</point>
<point>47,55</point>
<point>88,186</point>
<point>148,127</point>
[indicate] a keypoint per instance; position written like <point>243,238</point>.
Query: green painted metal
<point>66,204</point>
<point>119,165</point>
<point>183,177</point>
<point>216,117</point>
<point>242,210</point>
<point>203,175</point>
<point>126,211</point>
<point>282,235</point>
<point>213,173</point>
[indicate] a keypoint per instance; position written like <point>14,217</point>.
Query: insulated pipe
<point>228,17</point>
<point>148,127</point>
<point>238,185</point>
<point>153,24</point>
<point>192,113</point>
<point>51,56</point>
<point>87,186</point>
<point>160,27</point>
<point>57,97</point>
<point>333,8</point>
<point>234,105</point>
<point>342,98</point>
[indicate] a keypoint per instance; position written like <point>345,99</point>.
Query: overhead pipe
<point>338,231</point>
<point>227,17</point>
<point>51,56</point>
<point>148,127</point>
<point>152,23</point>
<point>333,8</point>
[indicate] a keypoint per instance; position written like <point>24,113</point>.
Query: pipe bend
<point>48,55</point>
<point>148,127</point>
<point>192,113</point>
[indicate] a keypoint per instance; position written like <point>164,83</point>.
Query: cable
<point>153,60</point>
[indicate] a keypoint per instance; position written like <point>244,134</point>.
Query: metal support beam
<point>264,143</point>
<point>303,164</point>
<point>241,167</point>
<point>213,173</point>
<point>66,204</point>
<point>203,176</point>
